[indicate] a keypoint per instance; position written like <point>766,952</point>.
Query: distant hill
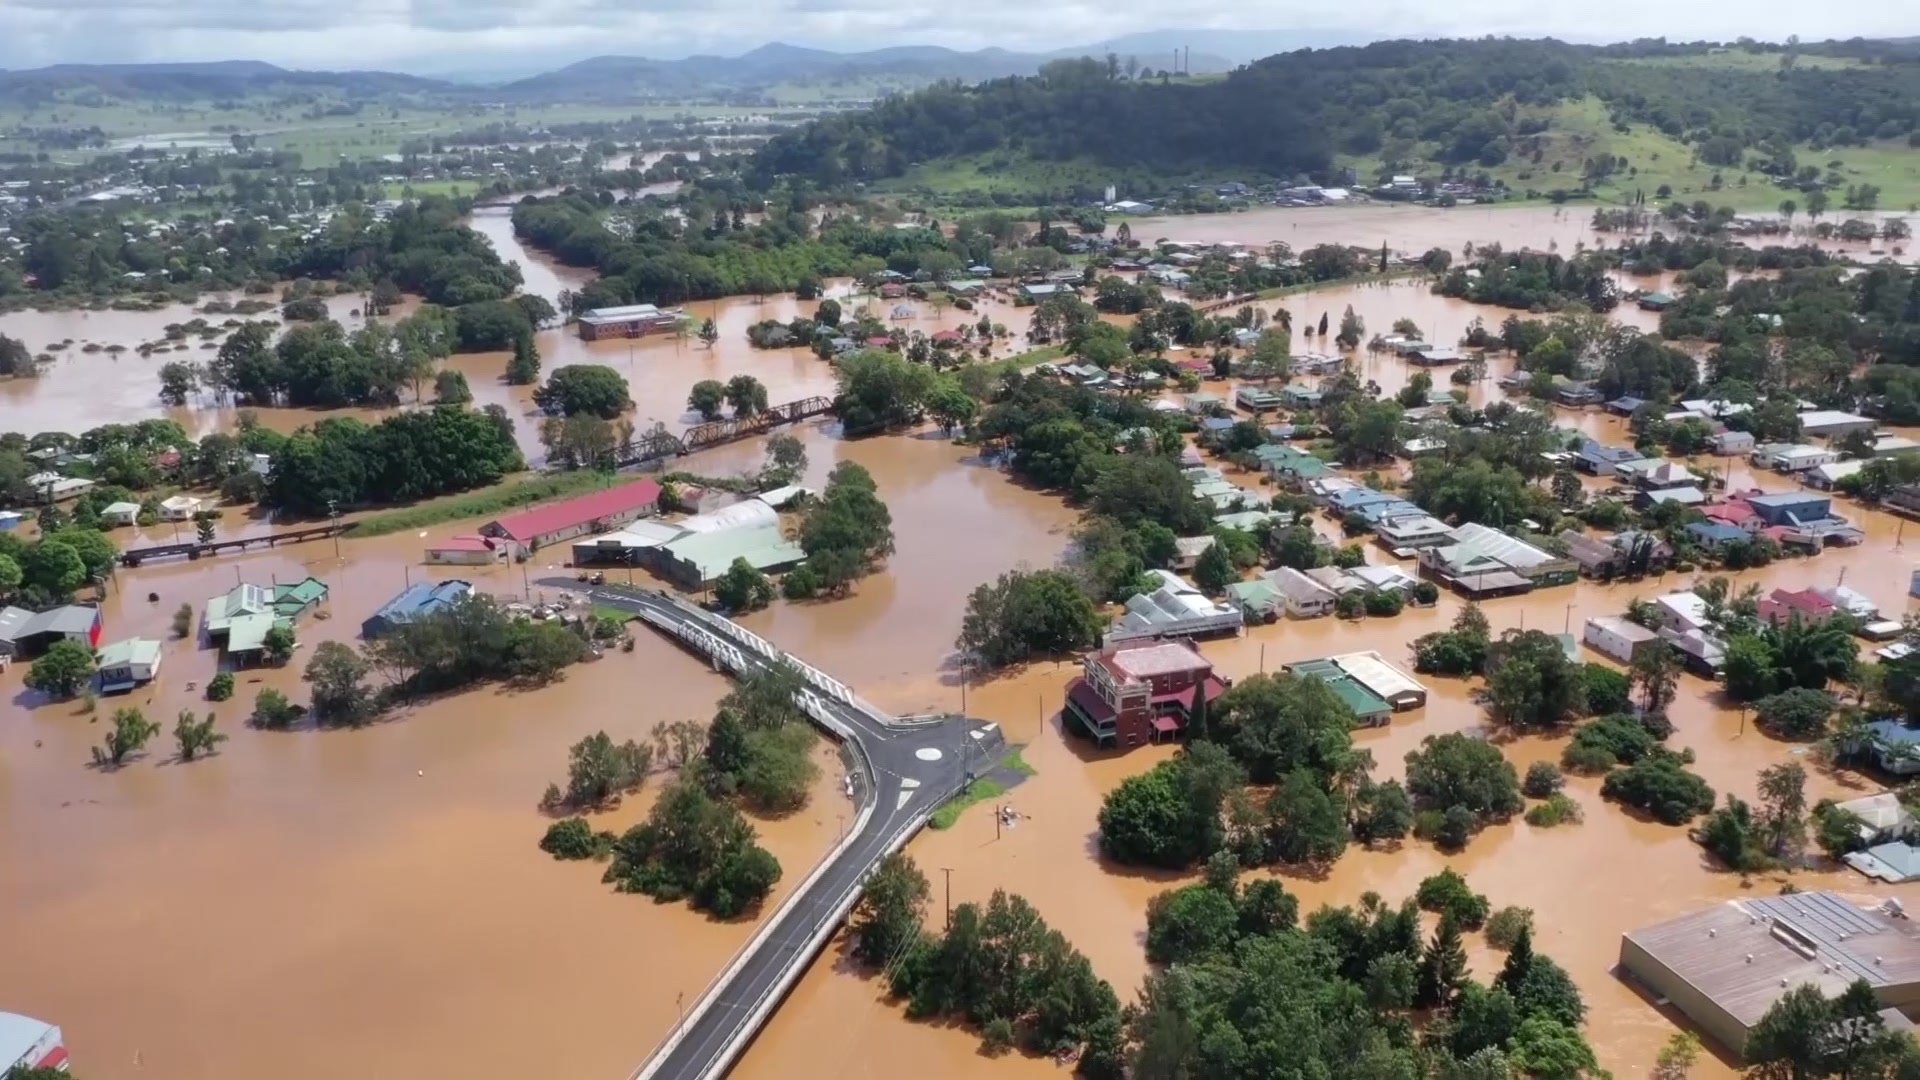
<point>200,81</point>
<point>630,77</point>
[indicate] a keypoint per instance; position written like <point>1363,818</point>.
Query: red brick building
<point>1136,694</point>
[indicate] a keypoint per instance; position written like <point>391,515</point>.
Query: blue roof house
<point>1712,534</point>
<point>420,598</point>
<point>1793,508</point>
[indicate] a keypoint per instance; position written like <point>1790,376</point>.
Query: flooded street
<point>304,903</point>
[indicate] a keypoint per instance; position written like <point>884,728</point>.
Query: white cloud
<point>454,33</point>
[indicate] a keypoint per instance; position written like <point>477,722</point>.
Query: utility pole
<point>333,517</point>
<point>1568,628</point>
<point>948,870</point>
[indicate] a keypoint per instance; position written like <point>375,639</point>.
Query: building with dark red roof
<point>550,523</point>
<point>1785,605</point>
<point>946,337</point>
<point>1135,694</point>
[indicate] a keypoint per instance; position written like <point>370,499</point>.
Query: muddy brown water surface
<point>305,902</point>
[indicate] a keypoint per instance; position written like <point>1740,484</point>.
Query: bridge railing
<point>866,782</point>
<point>816,678</point>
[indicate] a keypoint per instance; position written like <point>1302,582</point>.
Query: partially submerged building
<point>123,665</point>
<point>419,599</point>
<point>240,618</point>
<point>551,523</point>
<point>1724,967</point>
<point>1483,561</point>
<point>1130,695</point>
<point>28,633</point>
<point>1176,608</point>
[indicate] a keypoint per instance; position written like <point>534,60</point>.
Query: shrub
<point>1608,691</point>
<point>1661,786</point>
<point>1426,593</point>
<point>1600,744</point>
<point>220,687</point>
<point>570,838</point>
<point>1557,810</point>
<point>1383,602</point>
<point>273,712</point>
<point>1505,925</point>
<point>1543,779</point>
<point>1798,714</point>
<point>1447,893</point>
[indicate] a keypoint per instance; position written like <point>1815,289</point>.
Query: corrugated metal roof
<point>568,513</point>
<point>710,553</point>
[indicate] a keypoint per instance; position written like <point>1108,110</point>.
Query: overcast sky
<point>482,34</point>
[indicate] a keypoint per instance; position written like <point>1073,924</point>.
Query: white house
<point>120,513</point>
<point>1618,638</point>
<point>1305,597</point>
<point>124,665</point>
<point>179,508</point>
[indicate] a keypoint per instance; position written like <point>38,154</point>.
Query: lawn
<point>1581,130</point>
<point>979,791</point>
<point>506,495</point>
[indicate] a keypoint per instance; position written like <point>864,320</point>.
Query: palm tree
<point>1812,654</point>
<point>1849,736</point>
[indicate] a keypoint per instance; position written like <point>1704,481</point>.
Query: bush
<point>1661,786</point>
<point>1798,714</point>
<point>1619,739</point>
<point>1543,779</point>
<point>1387,602</point>
<point>1558,809</point>
<point>220,687</point>
<point>1608,691</point>
<point>573,838</point>
<point>1447,893</point>
<point>273,712</point>
<point>1426,593</point>
<point>1505,925</point>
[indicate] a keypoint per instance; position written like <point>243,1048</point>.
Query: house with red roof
<point>1140,693</point>
<point>1785,605</point>
<point>1733,510</point>
<point>551,523</point>
<point>946,337</point>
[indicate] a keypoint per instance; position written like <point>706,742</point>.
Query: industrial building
<point>419,598</point>
<point>1726,966</point>
<point>530,530</point>
<point>26,633</point>
<point>632,320</point>
<point>1618,638</point>
<point>695,552</point>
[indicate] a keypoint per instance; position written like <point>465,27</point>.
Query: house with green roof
<point>240,619</point>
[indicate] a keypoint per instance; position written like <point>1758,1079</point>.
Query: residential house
<point>1301,596</point>
<point>1600,459</point>
<point>1896,747</point>
<point>1203,403</point>
<point>1625,405</point>
<point>1259,600</point>
<point>1131,695</point>
<point>1733,442</point>
<point>52,487</point>
<point>1655,301</point>
<point>180,508</point>
<point>1657,475</point>
<point>126,664</point>
<point>120,513</point>
<point>1300,397</point>
<point>1575,393</point>
<point>1828,477</point>
<point>1174,609</point>
<point>240,618</point>
<point>1785,605</point>
<point>1384,578</point>
<point>1790,457</point>
<point>1618,638</point>
<point>1609,557</point>
<point>1187,551</point>
<point>1883,818</point>
<point>1891,445</point>
<point>1434,356</point>
<point>1257,399</point>
<point>1478,550</point>
<point>1336,580</point>
<point>1714,535</point>
<point>1411,532</point>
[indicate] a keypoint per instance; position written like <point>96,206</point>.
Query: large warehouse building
<point>1725,967</point>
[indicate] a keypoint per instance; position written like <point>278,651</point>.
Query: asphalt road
<point>916,769</point>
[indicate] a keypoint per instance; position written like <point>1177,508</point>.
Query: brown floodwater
<point>1414,229</point>
<point>419,926</point>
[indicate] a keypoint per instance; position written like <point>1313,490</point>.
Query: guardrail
<point>867,783</point>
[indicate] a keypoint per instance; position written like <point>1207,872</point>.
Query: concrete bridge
<point>902,771</point>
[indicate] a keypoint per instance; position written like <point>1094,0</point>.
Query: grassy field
<point>1581,130</point>
<point>373,132</point>
<point>1014,173</point>
<point>977,792</point>
<point>1740,60</point>
<point>506,495</point>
